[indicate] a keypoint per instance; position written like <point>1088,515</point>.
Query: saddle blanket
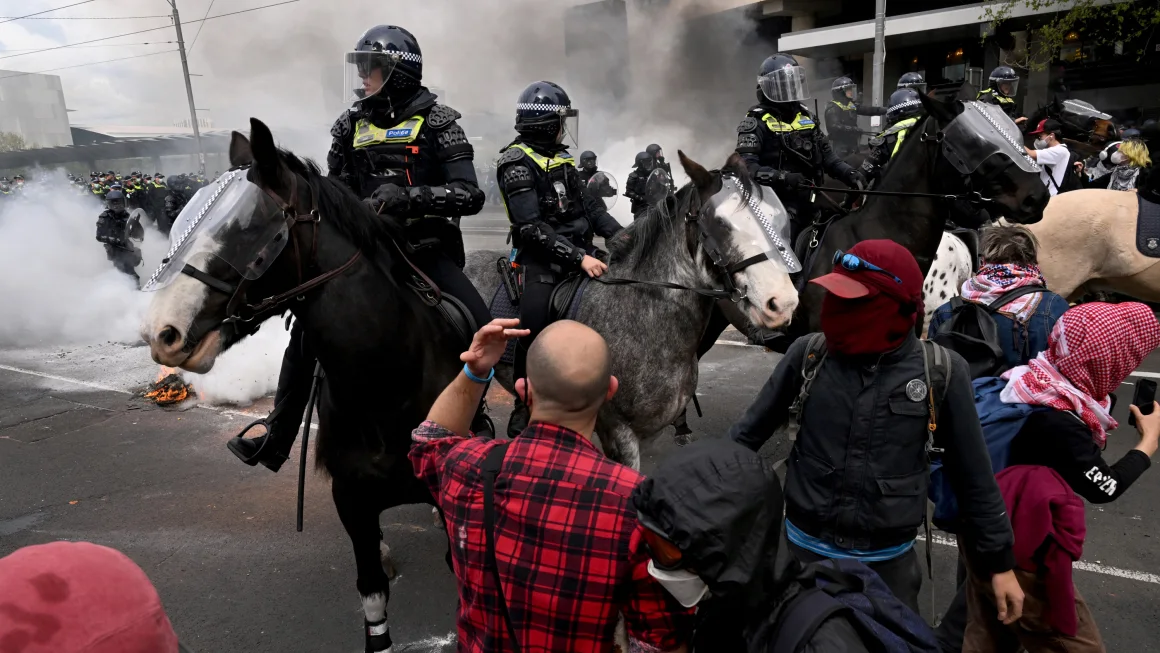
<point>502,308</point>
<point>1148,228</point>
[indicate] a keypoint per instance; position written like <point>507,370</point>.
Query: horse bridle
<point>238,311</point>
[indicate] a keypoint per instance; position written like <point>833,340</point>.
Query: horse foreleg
<point>360,518</point>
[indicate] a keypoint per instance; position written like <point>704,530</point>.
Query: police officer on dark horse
<point>553,217</point>
<point>404,154</point>
<point>842,115</point>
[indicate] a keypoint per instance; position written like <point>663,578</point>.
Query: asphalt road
<point>81,458</point>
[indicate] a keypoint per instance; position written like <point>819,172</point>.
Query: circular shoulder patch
<point>877,141</point>
<point>748,124</point>
<point>916,390</point>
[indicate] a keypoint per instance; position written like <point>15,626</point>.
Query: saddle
<point>1148,228</point>
<point>459,317</point>
<point>564,301</point>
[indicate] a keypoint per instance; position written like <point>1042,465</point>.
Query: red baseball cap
<point>1047,125</point>
<point>886,254</point>
<point>78,597</point>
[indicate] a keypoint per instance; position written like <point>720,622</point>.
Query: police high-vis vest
<point>800,123</point>
<point>366,134</point>
<point>901,128</point>
<point>1002,99</point>
<point>543,162</point>
<point>849,106</point>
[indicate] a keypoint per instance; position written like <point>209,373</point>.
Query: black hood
<point>722,506</point>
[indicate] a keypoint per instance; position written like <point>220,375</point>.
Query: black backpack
<point>971,332</point>
<point>1071,180</point>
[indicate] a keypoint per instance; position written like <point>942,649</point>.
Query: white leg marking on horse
<point>387,562</point>
<point>375,607</point>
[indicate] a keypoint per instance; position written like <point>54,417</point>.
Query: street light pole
<point>189,88</point>
<point>879,49</point>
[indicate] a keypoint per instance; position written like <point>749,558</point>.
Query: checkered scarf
<point>1092,349</point>
<point>995,279</point>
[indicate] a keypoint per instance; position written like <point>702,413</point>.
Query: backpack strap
<point>490,469</point>
<point>942,366</point>
<point>803,616</point>
<point>812,357</point>
<point>1012,295</point>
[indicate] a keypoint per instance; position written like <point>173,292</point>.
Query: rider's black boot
<point>519,419</point>
<point>282,426</point>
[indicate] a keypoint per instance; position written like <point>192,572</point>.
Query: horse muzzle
<point>168,346</point>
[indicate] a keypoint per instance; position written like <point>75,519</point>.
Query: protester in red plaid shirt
<point>569,551</point>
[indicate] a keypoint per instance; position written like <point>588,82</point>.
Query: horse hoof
<point>388,563</point>
<point>683,439</point>
<point>435,517</point>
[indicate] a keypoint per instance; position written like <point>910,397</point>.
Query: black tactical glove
<point>856,179</point>
<point>392,199</point>
<point>787,180</point>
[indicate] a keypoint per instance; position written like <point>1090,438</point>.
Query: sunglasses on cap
<point>851,263</point>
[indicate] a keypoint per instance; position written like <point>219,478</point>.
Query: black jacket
<point>417,145</point>
<point>550,227</point>
<point>1059,440</point>
<point>842,123</point>
<point>858,473</point>
<point>634,189</point>
<point>991,96</point>
<point>721,504</point>
<point>767,140</point>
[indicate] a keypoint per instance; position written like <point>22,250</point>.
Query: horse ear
<point>700,177</point>
<point>944,112</point>
<point>267,159</point>
<point>240,152</point>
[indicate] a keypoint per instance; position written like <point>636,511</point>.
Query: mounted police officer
<point>553,217</point>
<point>116,231</point>
<point>842,116</point>
<point>1004,86</point>
<point>405,155</point>
<point>913,80</point>
<point>634,186</point>
<point>782,145</point>
<point>901,118</point>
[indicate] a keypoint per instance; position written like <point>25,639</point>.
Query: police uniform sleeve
<point>869,110</point>
<point>831,163</point>
<point>632,185</point>
<point>602,223</point>
<point>459,195</point>
<point>749,142</point>
<point>338,161</point>
<point>834,121</point>
<point>987,98</point>
<point>518,187</point>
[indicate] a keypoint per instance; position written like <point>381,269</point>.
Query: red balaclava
<point>869,312</point>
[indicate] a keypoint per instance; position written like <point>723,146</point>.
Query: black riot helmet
<point>904,103</point>
<point>1005,81</point>
<point>386,57</point>
<point>543,111</point>
<point>645,161</point>
<point>588,160</point>
<point>781,79</point>
<point>844,89</point>
<point>913,80</point>
<point>115,200</point>
<point>656,153</point>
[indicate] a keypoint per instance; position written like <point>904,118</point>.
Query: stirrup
<point>257,457</point>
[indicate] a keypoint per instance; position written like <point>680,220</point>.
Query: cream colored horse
<point>1087,242</point>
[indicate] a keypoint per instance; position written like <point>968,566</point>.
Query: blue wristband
<point>490,375</point>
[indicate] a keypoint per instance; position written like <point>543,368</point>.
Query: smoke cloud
<point>247,371</point>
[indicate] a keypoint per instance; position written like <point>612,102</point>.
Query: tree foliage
<point>11,141</point>
<point>1131,23</point>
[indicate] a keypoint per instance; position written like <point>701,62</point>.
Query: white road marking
<point>733,343</point>
<point>54,377</point>
<point>1095,568</point>
<point>432,644</point>
<point>1146,375</point>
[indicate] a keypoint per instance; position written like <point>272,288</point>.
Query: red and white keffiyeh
<point>994,280</point>
<point>1092,349</point>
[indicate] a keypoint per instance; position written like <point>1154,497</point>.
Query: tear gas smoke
<point>247,371</point>
<point>56,283</point>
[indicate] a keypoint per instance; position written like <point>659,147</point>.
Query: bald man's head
<point>569,369</point>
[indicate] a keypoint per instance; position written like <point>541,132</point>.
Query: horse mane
<point>374,234</point>
<point>640,239</point>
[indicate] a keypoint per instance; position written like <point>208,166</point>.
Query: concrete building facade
<point>32,105</point>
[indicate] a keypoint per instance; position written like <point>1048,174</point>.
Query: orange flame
<point>169,388</point>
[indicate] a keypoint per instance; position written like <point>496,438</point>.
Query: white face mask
<point>685,586</point>
<point>1117,158</point>
<point>1040,143</point>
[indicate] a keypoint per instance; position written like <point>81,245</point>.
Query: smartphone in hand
<point>1143,398</point>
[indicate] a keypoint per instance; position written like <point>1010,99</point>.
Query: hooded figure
<point>713,512</point>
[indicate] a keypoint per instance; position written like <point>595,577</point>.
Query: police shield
<point>603,187</point>
<point>657,187</point>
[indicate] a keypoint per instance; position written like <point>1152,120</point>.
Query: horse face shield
<point>233,221</point>
<point>758,223</point>
<point>980,132</point>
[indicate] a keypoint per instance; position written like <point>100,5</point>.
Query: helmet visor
<point>919,87</point>
<point>786,84</point>
<point>1007,87</point>
<point>570,122</point>
<point>368,72</point>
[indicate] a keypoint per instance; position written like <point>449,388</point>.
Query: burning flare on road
<point>169,388</point>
